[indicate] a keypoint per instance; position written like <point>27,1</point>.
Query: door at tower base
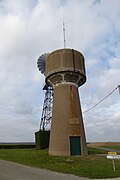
<point>75,147</point>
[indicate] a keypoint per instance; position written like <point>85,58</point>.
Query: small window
<point>71,77</point>
<point>56,79</point>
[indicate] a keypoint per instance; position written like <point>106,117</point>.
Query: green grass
<point>92,166</point>
<point>112,147</point>
<point>93,151</point>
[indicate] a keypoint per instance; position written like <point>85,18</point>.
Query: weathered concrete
<point>65,72</point>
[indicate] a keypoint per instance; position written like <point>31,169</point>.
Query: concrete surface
<point>14,171</point>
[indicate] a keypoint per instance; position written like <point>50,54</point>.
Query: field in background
<point>108,146</point>
<point>17,145</point>
<point>103,144</point>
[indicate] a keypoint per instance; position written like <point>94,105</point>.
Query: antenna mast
<point>64,34</point>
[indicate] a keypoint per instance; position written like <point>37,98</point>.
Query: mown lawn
<point>96,165</point>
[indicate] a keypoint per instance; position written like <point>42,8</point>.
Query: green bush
<point>16,146</point>
<point>42,139</point>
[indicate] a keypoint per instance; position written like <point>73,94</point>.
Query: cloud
<point>30,28</point>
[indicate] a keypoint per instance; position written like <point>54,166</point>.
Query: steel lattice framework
<point>47,109</point>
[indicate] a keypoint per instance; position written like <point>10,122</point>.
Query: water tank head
<point>65,66</point>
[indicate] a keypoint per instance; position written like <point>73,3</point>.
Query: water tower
<point>65,72</point>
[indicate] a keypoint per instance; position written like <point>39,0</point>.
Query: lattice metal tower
<point>46,117</point>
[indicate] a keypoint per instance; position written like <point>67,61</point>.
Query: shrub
<point>42,139</point>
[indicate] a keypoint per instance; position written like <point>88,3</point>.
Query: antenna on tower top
<point>64,34</point>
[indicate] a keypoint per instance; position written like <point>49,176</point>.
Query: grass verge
<point>92,166</point>
<point>113,147</point>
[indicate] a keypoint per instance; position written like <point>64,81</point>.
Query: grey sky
<point>30,28</point>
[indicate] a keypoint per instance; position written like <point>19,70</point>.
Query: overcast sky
<point>30,28</point>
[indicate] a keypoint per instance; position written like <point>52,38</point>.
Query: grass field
<point>96,165</point>
<point>113,147</point>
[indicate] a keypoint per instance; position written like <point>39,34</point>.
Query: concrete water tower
<point>65,72</point>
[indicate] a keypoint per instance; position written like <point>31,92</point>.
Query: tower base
<point>67,136</point>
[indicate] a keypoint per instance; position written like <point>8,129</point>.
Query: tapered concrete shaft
<point>66,121</point>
